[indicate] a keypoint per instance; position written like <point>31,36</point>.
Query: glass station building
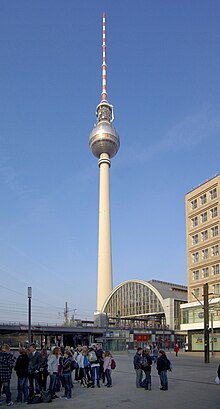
<point>144,312</point>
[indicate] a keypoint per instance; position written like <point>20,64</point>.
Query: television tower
<point>104,143</point>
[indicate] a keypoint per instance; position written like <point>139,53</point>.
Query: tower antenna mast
<point>104,67</point>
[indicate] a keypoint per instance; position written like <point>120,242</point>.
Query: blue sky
<point>163,79</point>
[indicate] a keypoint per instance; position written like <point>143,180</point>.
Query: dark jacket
<point>146,362</point>
<point>21,366</point>
<point>43,365</point>
<point>137,361</point>
<point>163,363</point>
<point>66,369</point>
<point>6,365</point>
<point>34,362</point>
<point>219,372</point>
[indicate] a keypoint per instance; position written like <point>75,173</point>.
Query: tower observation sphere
<point>104,137</point>
<point>104,143</point>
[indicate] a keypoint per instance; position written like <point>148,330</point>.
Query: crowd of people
<point>143,360</point>
<point>53,371</point>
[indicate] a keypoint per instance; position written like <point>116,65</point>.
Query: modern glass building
<point>155,302</point>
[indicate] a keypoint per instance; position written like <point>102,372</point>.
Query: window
<point>204,217</point>
<point>196,275</point>
<point>216,288</point>
<point>204,235</point>
<point>205,272</point>
<point>215,250</point>
<point>195,239</point>
<point>194,204</point>
<point>203,199</point>
<point>195,221</point>
<point>195,257</point>
<point>215,269</point>
<point>213,193</point>
<point>205,254</point>
<point>214,231</point>
<point>214,212</point>
<point>196,292</point>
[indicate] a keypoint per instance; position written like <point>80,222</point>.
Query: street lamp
<point>29,315</point>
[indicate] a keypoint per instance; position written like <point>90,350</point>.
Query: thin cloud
<point>189,132</point>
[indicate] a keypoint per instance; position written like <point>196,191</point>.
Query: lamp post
<point>206,323</point>
<point>29,315</point>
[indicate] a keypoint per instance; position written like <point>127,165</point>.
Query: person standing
<point>43,374</point>
<point>163,365</point>
<point>33,370</point>
<point>53,369</point>
<point>6,365</point>
<point>146,366</point>
<point>100,356</point>
<point>138,367</point>
<point>177,348</point>
<point>95,368</point>
<point>107,368</point>
<point>21,368</point>
<point>66,374</point>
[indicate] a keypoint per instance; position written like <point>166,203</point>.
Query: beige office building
<point>203,238</point>
<point>203,260</point>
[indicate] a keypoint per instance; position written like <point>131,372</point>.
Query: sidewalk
<point>191,385</point>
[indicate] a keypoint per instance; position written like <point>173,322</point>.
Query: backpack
<point>113,364</point>
<point>35,399</point>
<point>144,362</point>
<point>46,397</point>
<point>92,356</point>
<point>169,366</point>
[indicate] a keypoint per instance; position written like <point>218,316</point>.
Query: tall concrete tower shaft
<point>104,143</point>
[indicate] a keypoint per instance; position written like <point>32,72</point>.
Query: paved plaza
<point>191,385</point>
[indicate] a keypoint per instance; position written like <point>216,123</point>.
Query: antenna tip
<point>103,14</point>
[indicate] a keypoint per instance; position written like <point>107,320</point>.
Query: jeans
<point>139,374</point>
<point>43,380</point>
<point>6,388</point>
<point>22,389</point>
<point>67,384</point>
<point>53,383</point>
<point>33,382</point>
<point>163,379</point>
<point>95,373</point>
<point>108,376</point>
<point>147,381</point>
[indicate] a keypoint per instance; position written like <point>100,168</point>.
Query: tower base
<point>100,319</point>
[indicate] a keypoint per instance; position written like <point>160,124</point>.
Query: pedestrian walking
<point>163,365</point>
<point>138,367</point>
<point>43,369</point>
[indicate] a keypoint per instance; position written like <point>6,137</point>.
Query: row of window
<point>204,235</point>
<point>215,288</point>
<point>205,253</point>
<point>204,217</point>
<point>204,198</point>
<point>205,272</point>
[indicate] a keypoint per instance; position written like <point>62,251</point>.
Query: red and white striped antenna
<point>104,91</point>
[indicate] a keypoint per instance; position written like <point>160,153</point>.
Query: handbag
<point>217,380</point>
